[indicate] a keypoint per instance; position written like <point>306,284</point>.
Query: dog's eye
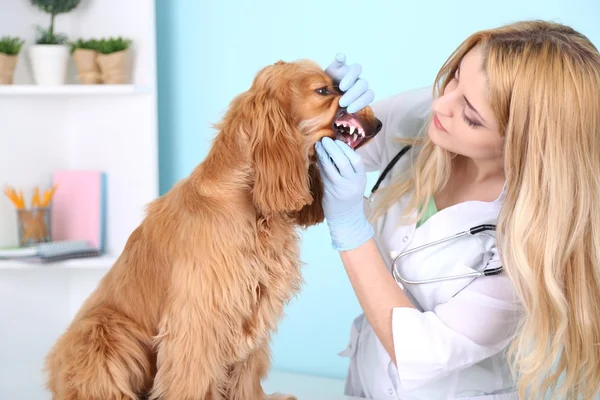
<point>323,91</point>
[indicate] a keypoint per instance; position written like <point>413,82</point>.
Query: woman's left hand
<point>357,94</point>
<point>344,180</point>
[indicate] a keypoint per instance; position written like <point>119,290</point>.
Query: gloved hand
<point>357,93</point>
<point>344,181</point>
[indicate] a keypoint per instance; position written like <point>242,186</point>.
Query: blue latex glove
<point>357,94</point>
<point>344,181</point>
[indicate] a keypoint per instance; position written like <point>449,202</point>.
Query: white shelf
<point>109,128</point>
<point>72,89</point>
<point>102,263</point>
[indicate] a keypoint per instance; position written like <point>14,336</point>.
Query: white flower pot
<point>49,63</point>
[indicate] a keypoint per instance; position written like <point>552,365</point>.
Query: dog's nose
<point>379,125</point>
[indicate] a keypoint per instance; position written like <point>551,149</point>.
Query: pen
<point>16,198</point>
<point>48,196</point>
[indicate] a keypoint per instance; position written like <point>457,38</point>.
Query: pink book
<point>78,206</point>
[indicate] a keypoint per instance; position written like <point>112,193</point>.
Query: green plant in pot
<point>85,54</point>
<point>10,47</point>
<point>50,55</point>
<point>115,60</point>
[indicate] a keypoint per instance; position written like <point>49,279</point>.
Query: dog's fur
<point>187,310</point>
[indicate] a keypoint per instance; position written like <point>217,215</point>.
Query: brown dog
<point>188,309</point>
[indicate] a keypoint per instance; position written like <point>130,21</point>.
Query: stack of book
<point>50,251</point>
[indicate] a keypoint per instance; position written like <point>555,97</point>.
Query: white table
<point>306,387</point>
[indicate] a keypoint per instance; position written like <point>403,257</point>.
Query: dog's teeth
<point>361,132</point>
<point>352,128</point>
<point>354,137</point>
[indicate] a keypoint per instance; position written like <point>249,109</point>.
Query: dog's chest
<point>281,264</point>
<point>278,276</point>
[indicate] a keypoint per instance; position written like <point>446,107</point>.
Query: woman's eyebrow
<point>473,108</point>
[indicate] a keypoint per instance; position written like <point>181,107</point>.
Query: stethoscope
<point>491,271</point>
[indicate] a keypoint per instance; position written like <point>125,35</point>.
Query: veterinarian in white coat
<point>440,340</point>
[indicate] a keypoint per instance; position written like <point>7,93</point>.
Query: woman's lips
<point>438,124</point>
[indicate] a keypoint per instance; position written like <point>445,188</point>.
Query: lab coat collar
<point>489,210</point>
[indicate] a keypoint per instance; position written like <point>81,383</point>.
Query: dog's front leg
<point>245,378</point>
<point>189,366</point>
<point>192,345</point>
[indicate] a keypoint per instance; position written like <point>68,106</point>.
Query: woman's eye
<point>322,91</point>
<point>470,122</point>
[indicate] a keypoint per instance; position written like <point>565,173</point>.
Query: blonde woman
<point>509,139</point>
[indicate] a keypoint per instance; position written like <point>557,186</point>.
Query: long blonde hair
<point>544,88</point>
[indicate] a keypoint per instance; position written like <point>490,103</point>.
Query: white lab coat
<point>451,346</point>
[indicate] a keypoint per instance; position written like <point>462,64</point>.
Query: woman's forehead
<point>473,77</point>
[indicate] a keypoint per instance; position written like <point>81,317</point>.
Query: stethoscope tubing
<point>475,274</point>
<point>472,231</point>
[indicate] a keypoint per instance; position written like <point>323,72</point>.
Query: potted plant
<point>50,55</point>
<point>10,47</point>
<point>115,60</point>
<point>85,54</point>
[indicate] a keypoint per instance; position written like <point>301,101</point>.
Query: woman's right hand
<point>357,94</point>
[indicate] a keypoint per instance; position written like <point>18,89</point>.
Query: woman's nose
<point>443,105</point>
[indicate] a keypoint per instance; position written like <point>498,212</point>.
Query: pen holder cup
<point>34,226</point>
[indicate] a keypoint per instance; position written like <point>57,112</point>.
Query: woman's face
<point>463,121</point>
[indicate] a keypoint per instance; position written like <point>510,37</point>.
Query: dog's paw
<point>280,396</point>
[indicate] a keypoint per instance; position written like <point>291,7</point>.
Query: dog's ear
<point>281,182</point>
<point>312,214</point>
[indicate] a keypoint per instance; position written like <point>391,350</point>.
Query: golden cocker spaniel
<point>187,310</point>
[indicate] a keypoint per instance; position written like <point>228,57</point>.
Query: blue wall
<point>210,50</point>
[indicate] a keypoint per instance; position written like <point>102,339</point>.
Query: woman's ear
<point>281,182</point>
